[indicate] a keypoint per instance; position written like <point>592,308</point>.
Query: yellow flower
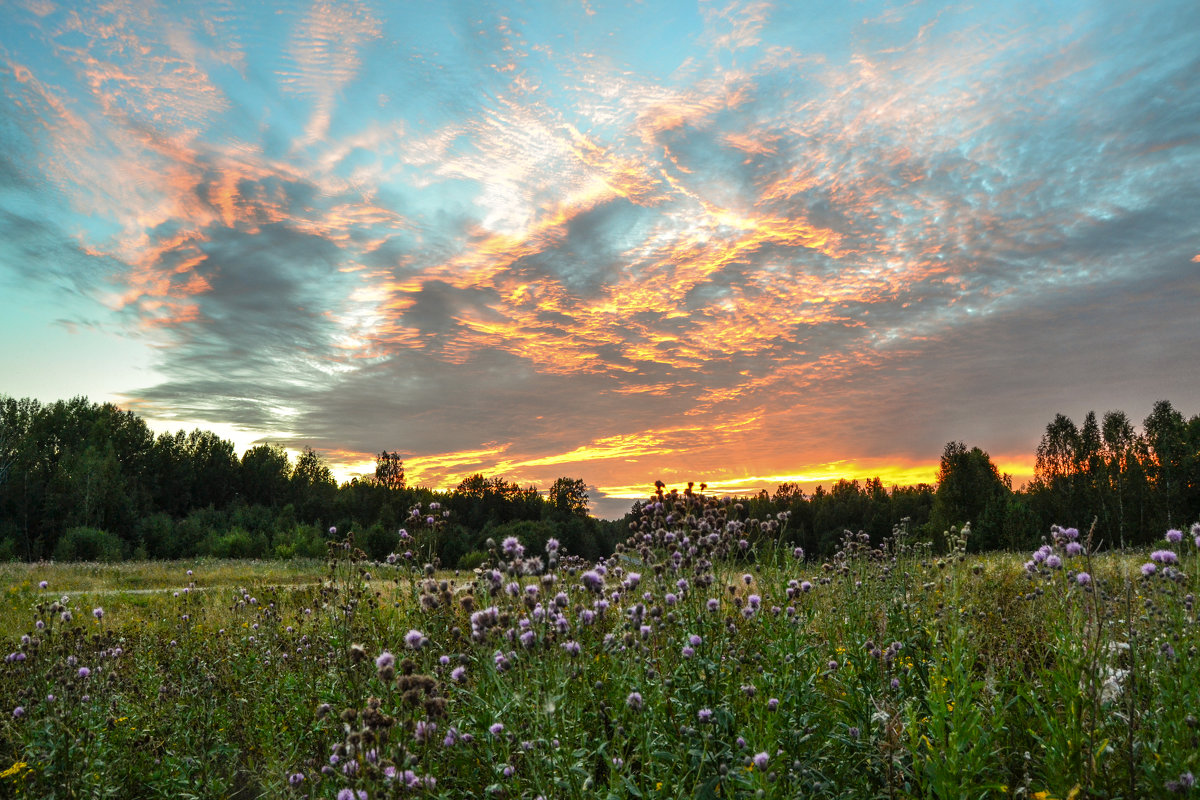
<point>13,770</point>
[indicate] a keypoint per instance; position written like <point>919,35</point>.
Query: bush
<point>239,543</point>
<point>155,535</point>
<point>88,544</point>
<point>299,541</point>
<point>472,560</point>
<point>376,542</point>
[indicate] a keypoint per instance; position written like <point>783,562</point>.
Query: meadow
<point>701,660</point>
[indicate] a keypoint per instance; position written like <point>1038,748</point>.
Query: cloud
<point>766,245</point>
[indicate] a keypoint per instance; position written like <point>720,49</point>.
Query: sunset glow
<point>742,243</point>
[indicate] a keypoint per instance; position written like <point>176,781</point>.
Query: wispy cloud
<point>507,241</point>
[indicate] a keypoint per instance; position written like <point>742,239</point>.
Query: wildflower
<point>385,660</point>
<point>895,683</point>
<point>687,651</point>
<point>296,778</point>
<point>415,639</point>
<point>634,701</point>
<point>761,759</point>
<point>44,584</point>
<point>1083,579</point>
<point>512,547</point>
<point>572,648</point>
<point>424,731</point>
<point>496,728</point>
<point>1148,569</point>
<point>552,545</point>
<point>704,715</point>
<point>713,604</point>
<point>84,672</point>
<point>98,613</point>
<point>18,712</point>
<point>798,553</point>
<point>772,704</point>
<point>1164,556</point>
<point>592,581</point>
<point>805,586</point>
<point>1053,561</point>
<point>1173,536</point>
<point>1074,548</point>
<point>1181,784</point>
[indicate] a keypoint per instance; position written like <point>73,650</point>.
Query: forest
<point>88,481</point>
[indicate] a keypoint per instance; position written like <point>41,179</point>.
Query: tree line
<point>1126,486</point>
<point>80,480</point>
<point>87,481</point>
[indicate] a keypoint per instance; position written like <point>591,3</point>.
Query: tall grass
<point>691,664</point>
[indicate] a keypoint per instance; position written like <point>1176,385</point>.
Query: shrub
<point>473,559</point>
<point>88,544</point>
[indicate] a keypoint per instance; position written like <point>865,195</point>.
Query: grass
<point>702,661</point>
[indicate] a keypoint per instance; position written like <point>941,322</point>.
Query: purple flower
<point>760,760</point>
<point>84,672</point>
<point>687,651</point>
<point>552,545</point>
<point>805,586</point>
<point>385,660</point>
<point>43,584</point>
<point>1083,579</point>
<point>798,552</point>
<point>772,704</point>
<point>1148,569</point>
<point>713,604</point>
<point>1053,561</point>
<point>98,613</point>
<point>1174,536</point>
<point>592,581</point>
<point>424,730</point>
<point>496,728</point>
<point>694,640</point>
<point>296,778</point>
<point>1073,548</point>
<point>1164,556</point>
<point>512,547</point>
<point>18,712</point>
<point>704,715</point>
<point>415,639</point>
<point>458,674</point>
<point>634,701</point>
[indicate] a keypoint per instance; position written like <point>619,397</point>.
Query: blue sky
<point>735,242</point>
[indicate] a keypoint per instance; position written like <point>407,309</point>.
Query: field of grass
<point>700,661</point>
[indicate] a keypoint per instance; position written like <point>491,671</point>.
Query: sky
<point>734,242</point>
